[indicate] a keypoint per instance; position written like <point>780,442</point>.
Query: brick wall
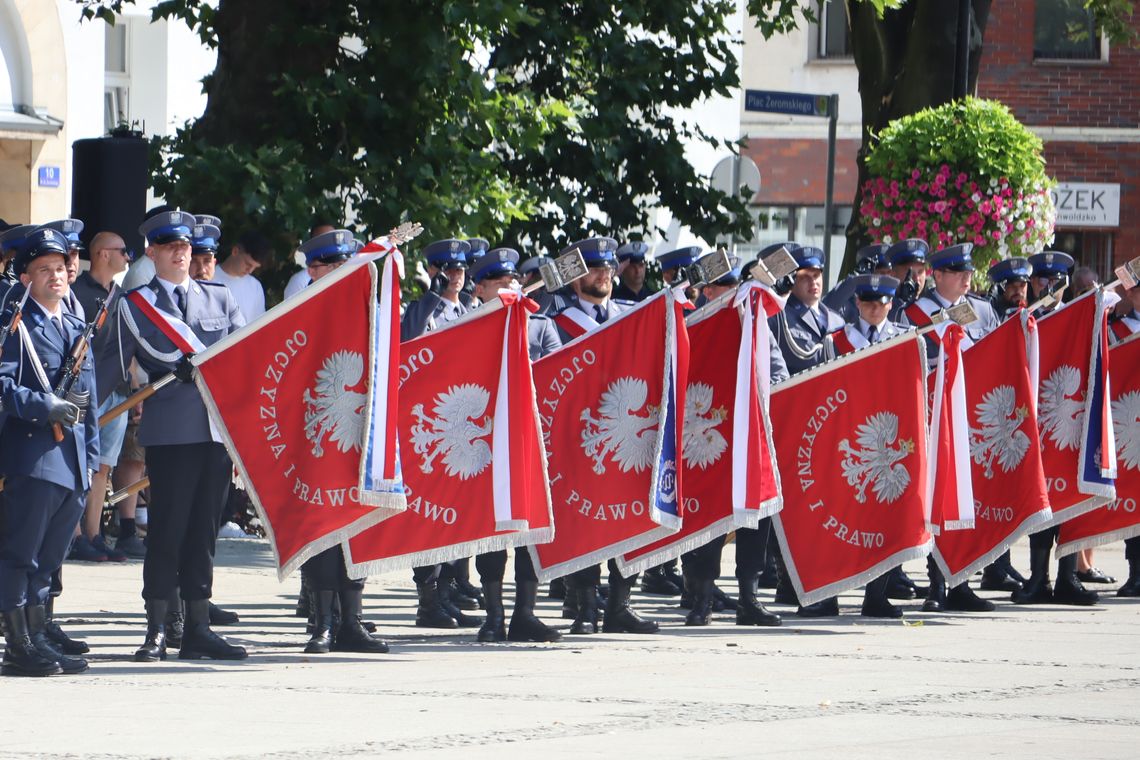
<point>793,172</point>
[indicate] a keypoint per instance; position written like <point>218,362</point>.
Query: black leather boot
<point>154,646</point>
<point>689,587</point>
<point>570,601</point>
<point>461,570</point>
<point>447,601</point>
<point>620,617</point>
<point>175,620</point>
<point>721,600</point>
<point>1068,589</point>
<point>21,657</point>
<point>749,610</point>
<point>669,572</point>
<point>218,616</point>
<point>962,598</point>
<point>303,608</point>
<point>900,585</point>
<point>199,642</point>
<point>655,581</point>
<point>429,611</point>
<point>999,575</point>
<point>494,625</point>
<point>352,636</point>
<point>321,603</point>
<point>1036,590</point>
<point>556,589</point>
<point>1131,587</point>
<point>826,608</point>
<point>936,591</point>
<point>785,592</point>
<point>875,601</point>
<point>525,625</point>
<point>586,617</point>
<point>59,638</point>
<point>37,618</point>
<point>701,613</point>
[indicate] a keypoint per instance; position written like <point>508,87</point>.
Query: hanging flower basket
<point>965,172</point>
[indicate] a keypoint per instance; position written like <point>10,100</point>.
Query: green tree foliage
<point>531,123</point>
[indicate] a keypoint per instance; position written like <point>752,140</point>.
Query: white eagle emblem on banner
<point>702,443</point>
<point>336,410</point>
<point>999,439</point>
<point>876,463</point>
<point>631,439</point>
<point>455,431</point>
<point>1126,426</point>
<point>1063,407</point>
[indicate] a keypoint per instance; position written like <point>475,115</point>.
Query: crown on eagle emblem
<point>1048,258</point>
<point>454,246</point>
<point>174,216</point>
<point>339,238</point>
<point>875,281</point>
<point>199,231</point>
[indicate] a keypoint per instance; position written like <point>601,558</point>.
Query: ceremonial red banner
<point>292,396</point>
<point>470,446</point>
<point>728,458</point>
<point>612,413</point>
<point>1119,519</point>
<point>1071,339</point>
<point>951,496</point>
<point>1009,490</point>
<point>851,444</point>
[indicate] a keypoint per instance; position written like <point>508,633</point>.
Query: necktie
<point>600,314</point>
<point>180,299</point>
<point>819,320</point>
<point>872,334</point>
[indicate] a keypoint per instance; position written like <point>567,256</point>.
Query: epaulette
<point>211,283</point>
<point>623,302</point>
<point>76,321</point>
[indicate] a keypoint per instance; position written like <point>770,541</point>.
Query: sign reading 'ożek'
<point>795,103</point>
<point>1087,204</point>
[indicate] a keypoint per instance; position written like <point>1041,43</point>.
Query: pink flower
<point>915,174</point>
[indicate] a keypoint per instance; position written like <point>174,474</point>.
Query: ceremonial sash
<point>1072,413</point>
<point>852,447</point>
<point>470,446</point>
<point>175,330</point>
<point>845,343</point>
<point>1120,518</point>
<point>728,459</point>
<point>575,322</point>
<point>612,413</point>
<point>1008,482</point>
<point>1120,329</point>
<point>917,316</point>
<point>294,423</point>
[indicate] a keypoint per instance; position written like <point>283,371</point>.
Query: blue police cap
<point>168,227</point>
<point>596,251</point>
<point>70,229</point>
<point>875,287</point>
<point>329,247</point>
<point>635,250</point>
<point>956,258</point>
<point>876,251</point>
<point>681,257</point>
<point>533,264</point>
<point>734,276</point>
<point>208,219</point>
<point>1051,263</point>
<point>41,241</point>
<point>808,257</point>
<point>479,247</point>
<point>14,237</point>
<point>769,249</point>
<point>494,264</point>
<point>450,253</point>
<point>1010,270</point>
<point>910,251</point>
<point>204,238</point>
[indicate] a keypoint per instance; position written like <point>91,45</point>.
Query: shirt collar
<point>57,314</point>
<point>170,286</point>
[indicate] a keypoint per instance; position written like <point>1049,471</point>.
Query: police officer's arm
<point>777,368</point>
<point>18,400</point>
<point>91,420</point>
<point>550,340</point>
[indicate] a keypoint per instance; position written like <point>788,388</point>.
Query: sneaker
<point>83,550</point>
<point>231,530</point>
<point>113,555</point>
<point>132,546</point>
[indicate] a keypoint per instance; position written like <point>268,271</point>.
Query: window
<point>116,76</point>
<point>1064,30</point>
<point>834,40</point>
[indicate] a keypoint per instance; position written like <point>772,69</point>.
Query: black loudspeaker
<point>108,191</point>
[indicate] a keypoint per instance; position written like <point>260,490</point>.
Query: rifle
<point>14,320</point>
<point>73,364</point>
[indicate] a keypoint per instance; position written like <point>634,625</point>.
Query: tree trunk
<point>906,64</point>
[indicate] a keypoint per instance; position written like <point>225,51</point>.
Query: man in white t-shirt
<point>251,251</point>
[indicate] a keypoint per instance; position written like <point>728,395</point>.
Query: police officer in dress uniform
<point>204,242</point>
<point>591,299</point>
<point>1051,270</point>
<point>907,259</point>
<point>325,575</point>
<point>46,482</point>
<point>477,249</point>
<point>442,303</point>
<point>70,228</point>
<point>490,273</point>
<point>700,568</point>
<point>631,272</point>
<point>188,466</point>
<point>1119,328</point>
<point>1010,278</point>
<point>871,259</point>
<point>529,274</point>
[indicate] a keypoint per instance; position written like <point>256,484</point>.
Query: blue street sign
<point>49,176</point>
<point>795,103</point>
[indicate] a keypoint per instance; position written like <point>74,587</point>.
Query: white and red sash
<point>575,322</point>
<point>848,340</point>
<point>175,330</point>
<point>951,495</point>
